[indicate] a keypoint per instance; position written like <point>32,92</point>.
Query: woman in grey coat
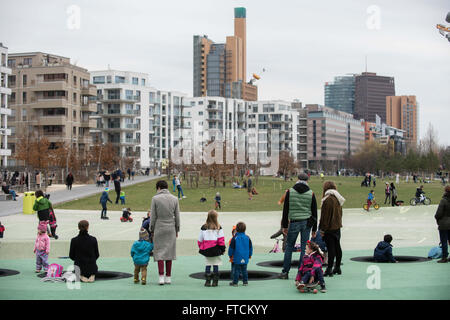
<point>165,225</point>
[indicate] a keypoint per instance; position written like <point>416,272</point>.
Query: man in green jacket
<point>299,216</point>
<point>42,205</point>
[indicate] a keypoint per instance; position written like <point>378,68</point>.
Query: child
<point>122,197</point>
<point>233,234</point>
<point>240,251</point>
<point>310,272</point>
<point>126,213</point>
<point>42,247</point>
<point>211,243</point>
<point>218,198</point>
<point>322,245</point>
<point>103,200</point>
<point>53,224</point>
<point>2,229</point>
<point>370,199</point>
<point>146,223</point>
<point>140,252</point>
<point>383,251</point>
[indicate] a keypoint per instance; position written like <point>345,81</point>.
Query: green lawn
<point>138,197</point>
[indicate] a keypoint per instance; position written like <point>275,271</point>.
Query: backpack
<point>54,273</point>
<point>435,253</point>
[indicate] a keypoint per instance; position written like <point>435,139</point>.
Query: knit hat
<point>42,226</point>
<point>303,177</point>
<point>143,235</point>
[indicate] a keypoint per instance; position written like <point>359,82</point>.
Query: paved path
<point>58,194</point>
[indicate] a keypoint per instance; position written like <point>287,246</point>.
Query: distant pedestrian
<point>387,192</point>
<point>117,188</point>
<point>393,194</point>
<point>180,189</point>
<point>107,178</point>
<point>103,201</point>
<point>249,187</point>
<point>129,173</point>
<point>69,181</point>
<point>397,178</point>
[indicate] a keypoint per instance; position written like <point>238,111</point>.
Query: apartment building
<point>5,92</point>
<point>50,98</point>
<point>402,113</point>
<point>331,135</point>
<point>123,113</point>
<point>167,124</point>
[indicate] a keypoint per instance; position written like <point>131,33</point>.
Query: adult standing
<point>179,188</point>
<point>164,228</point>
<point>397,178</point>
<point>249,187</point>
<point>107,178</point>
<point>129,173</point>
<point>299,216</point>
<point>117,188</point>
<point>69,180</point>
<point>387,192</point>
<point>42,205</point>
<point>393,194</point>
<point>84,252</point>
<point>38,179</point>
<point>330,226</point>
<point>442,217</point>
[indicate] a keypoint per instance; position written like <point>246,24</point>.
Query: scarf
<point>333,192</point>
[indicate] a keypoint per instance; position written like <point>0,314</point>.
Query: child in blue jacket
<point>240,250</point>
<point>140,251</point>
<point>383,251</point>
<point>104,200</point>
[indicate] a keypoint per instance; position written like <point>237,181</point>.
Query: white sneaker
<point>184,197</point>
<point>161,280</point>
<point>167,280</point>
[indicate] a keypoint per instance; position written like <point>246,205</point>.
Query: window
<point>98,80</point>
<point>24,97</point>
<point>108,79</point>
<point>24,80</point>
<point>200,102</point>
<point>120,79</point>
<point>24,114</point>
<point>142,82</point>
<point>129,94</point>
<point>135,81</point>
<point>27,61</point>
<point>11,63</point>
<point>200,113</point>
<point>74,80</point>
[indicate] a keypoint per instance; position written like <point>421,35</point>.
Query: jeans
<point>215,269</point>
<point>41,260</point>
<point>444,235</point>
<point>180,190</point>
<point>117,196</point>
<point>294,229</point>
<point>13,193</point>
<point>240,269</point>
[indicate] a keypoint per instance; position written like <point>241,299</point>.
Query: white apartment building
<point>265,118</point>
<point>4,110</point>
<point>166,123</point>
<point>123,113</point>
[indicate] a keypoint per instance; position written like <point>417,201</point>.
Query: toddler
<point>126,215</point>
<point>42,247</point>
<point>370,199</point>
<point>218,198</point>
<point>140,252</point>
<point>52,223</point>
<point>310,272</point>
<point>122,197</point>
<point>240,251</point>
<point>211,243</point>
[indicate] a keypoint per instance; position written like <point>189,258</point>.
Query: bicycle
<point>374,204</point>
<point>414,201</point>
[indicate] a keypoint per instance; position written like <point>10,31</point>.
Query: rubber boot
<point>215,280</point>
<point>208,277</point>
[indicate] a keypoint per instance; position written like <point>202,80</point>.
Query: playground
<point>413,228</point>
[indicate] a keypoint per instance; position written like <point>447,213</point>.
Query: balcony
<point>54,85</point>
<point>89,107</point>
<point>47,102</point>
<point>57,120</point>
<point>90,90</point>
<point>6,111</point>
<point>214,107</point>
<point>121,113</point>
<point>86,139</point>
<point>88,123</point>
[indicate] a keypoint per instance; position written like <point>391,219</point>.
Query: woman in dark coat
<point>84,252</point>
<point>442,217</point>
<point>69,181</point>
<point>393,194</point>
<point>330,226</point>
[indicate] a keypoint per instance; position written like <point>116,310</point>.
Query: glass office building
<point>340,94</point>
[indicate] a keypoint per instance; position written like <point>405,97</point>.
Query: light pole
<point>100,156</point>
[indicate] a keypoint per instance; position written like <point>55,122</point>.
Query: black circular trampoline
<point>8,272</point>
<point>103,275</point>
<point>400,259</point>
<point>279,264</point>
<point>252,275</point>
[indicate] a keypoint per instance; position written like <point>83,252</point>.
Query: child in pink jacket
<point>42,247</point>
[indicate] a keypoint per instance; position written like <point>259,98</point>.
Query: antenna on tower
<point>366,62</point>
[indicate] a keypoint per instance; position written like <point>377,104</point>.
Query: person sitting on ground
<point>383,251</point>
<point>6,190</point>
<point>370,199</point>
<point>254,192</point>
<point>310,272</point>
<point>236,185</point>
<point>126,213</point>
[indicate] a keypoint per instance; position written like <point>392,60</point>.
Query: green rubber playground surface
<point>413,228</point>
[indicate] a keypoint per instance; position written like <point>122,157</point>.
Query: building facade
<point>370,95</point>
<point>340,94</point>
<point>5,92</point>
<point>331,135</point>
<point>402,113</point>
<point>50,98</point>
<point>220,69</point>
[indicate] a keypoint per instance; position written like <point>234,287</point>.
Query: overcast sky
<point>301,44</point>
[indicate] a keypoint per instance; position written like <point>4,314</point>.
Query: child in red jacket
<point>310,272</point>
